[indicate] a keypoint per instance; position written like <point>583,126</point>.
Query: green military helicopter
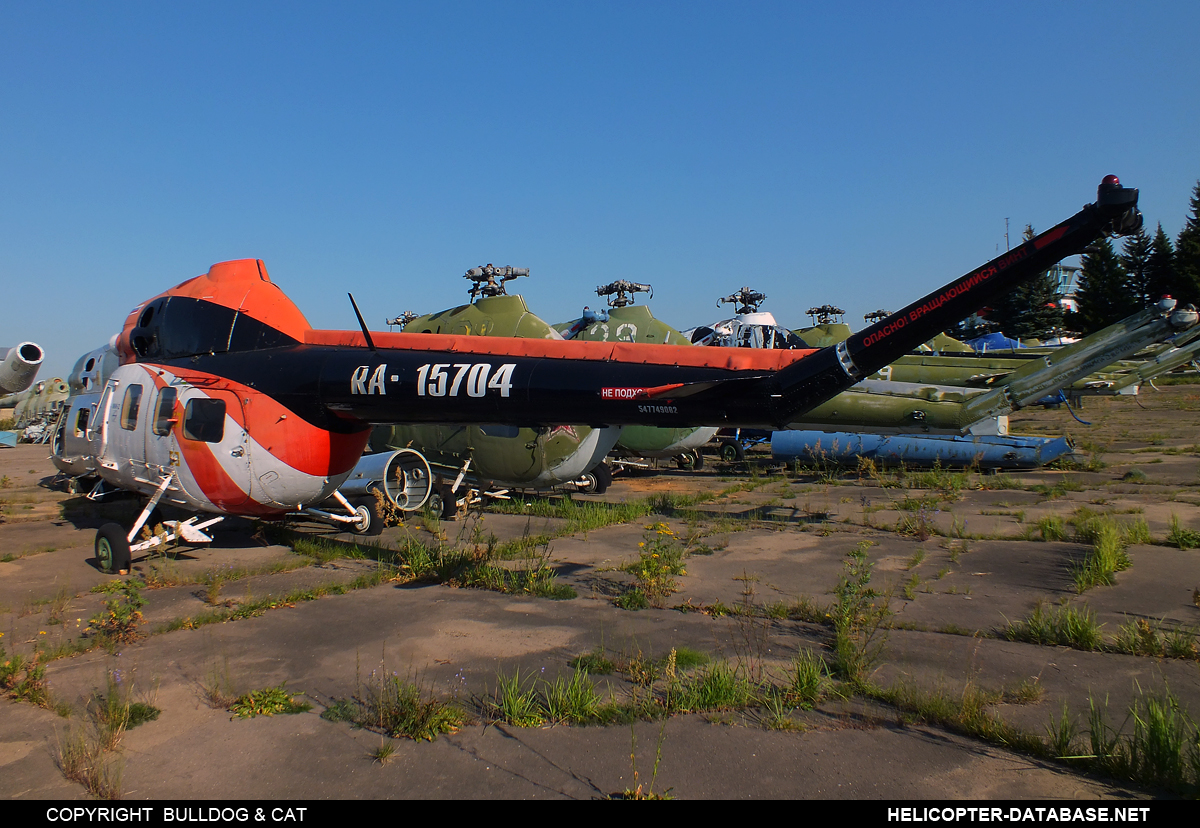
<point>625,321</point>
<point>474,460</point>
<point>945,361</point>
<point>971,394</point>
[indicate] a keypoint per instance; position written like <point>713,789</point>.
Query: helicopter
<point>625,321</point>
<point>490,458</point>
<point>228,402</point>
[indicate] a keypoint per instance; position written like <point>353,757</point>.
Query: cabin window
<point>204,420</point>
<point>81,422</point>
<point>164,412</point>
<point>129,407</point>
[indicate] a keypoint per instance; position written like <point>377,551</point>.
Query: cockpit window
<point>204,420</point>
<point>164,412</point>
<point>129,407</point>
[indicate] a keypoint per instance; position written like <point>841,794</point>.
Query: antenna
<point>361,323</point>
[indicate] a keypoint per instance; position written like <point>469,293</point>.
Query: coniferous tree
<point>1135,259</point>
<point>1187,253</point>
<point>1101,291</point>
<point>1161,278</point>
<point>1030,310</point>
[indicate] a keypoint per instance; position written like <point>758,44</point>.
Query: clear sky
<point>860,155</point>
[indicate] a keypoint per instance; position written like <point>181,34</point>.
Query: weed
<point>715,688</point>
<point>595,662</point>
<point>1052,528</point>
<point>571,700</point>
<point>1139,637</point>
<point>660,558</point>
<point>113,711</point>
<point>1057,490</point>
<point>218,690</point>
<point>1106,558</point>
<point>777,712</point>
<point>686,658</point>
<point>396,708</point>
<point>1066,625</point>
<point>267,702</point>
<point>122,614</point>
<point>916,559</point>
<point>1180,537</point>
<point>807,680</point>
<point>81,759</point>
<point>516,702</point>
<point>1062,733</point>
<point>632,599</point>
<point>1163,749</point>
<point>637,792</point>
<point>383,753</point>
<point>1028,691</point>
<point>859,614</point>
<point>24,679</point>
<point>967,712</point>
<point>1136,533</point>
<point>918,525</point>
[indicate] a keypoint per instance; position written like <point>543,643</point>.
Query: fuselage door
<point>213,443</point>
<point>125,414</point>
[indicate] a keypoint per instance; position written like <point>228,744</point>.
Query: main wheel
<point>732,451</point>
<point>603,478</point>
<point>595,481</point>
<point>370,516</point>
<point>112,549</point>
<point>443,503</point>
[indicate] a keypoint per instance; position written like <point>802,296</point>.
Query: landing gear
<point>595,481</point>
<point>112,549</point>
<point>443,502</point>
<point>732,451</point>
<point>690,460</point>
<point>370,516</point>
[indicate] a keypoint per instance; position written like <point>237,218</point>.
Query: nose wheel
<point>112,549</point>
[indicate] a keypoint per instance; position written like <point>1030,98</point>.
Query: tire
<point>112,549</point>
<point>698,464</point>
<point>603,478</point>
<point>443,503</point>
<point>732,451</point>
<point>370,518</point>
<point>595,481</point>
<point>690,460</point>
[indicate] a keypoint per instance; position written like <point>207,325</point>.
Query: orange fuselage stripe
<point>733,359</point>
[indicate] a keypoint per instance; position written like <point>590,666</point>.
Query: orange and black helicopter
<point>227,401</point>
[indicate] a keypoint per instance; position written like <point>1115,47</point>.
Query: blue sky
<point>860,156</point>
